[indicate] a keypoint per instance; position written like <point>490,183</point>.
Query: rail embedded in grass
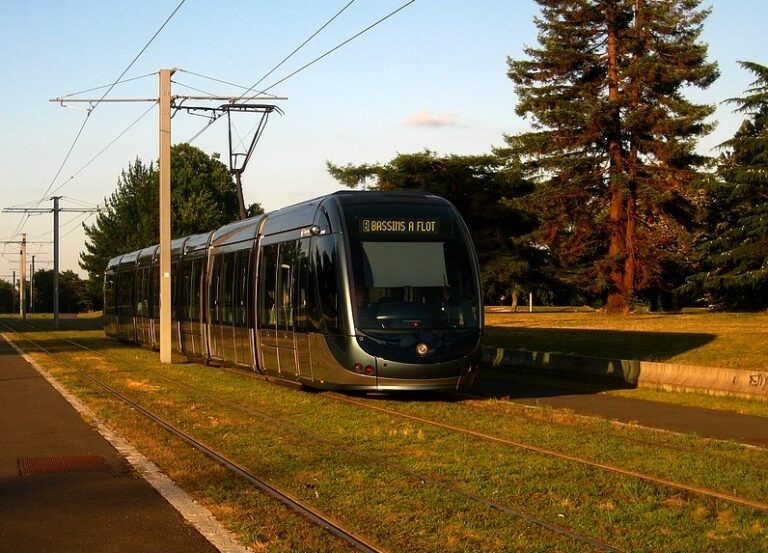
<point>620,510</point>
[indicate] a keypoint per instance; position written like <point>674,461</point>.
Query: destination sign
<point>398,226</point>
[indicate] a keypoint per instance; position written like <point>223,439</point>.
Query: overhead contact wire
<point>341,45</point>
<point>80,132</point>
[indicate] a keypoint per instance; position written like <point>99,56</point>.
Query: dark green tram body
<point>370,291</point>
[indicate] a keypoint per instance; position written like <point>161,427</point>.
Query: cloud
<point>426,118</point>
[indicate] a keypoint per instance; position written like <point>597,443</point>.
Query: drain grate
<point>57,465</point>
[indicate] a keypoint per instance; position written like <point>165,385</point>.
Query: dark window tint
<point>241,288</point>
<point>223,288</point>
<point>109,293</point>
<point>302,300</point>
<point>267,284</point>
<point>324,254</point>
<point>192,290</point>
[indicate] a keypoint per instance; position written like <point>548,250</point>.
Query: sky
<point>432,76</point>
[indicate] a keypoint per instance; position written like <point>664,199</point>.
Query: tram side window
<point>302,300</point>
<point>192,291</point>
<point>267,281</point>
<point>324,257</point>
<point>242,272</point>
<point>154,292</point>
<point>125,286</point>
<point>109,293</point>
<point>215,291</point>
<point>227,296</point>
<point>142,293</point>
<point>223,274</point>
<point>174,293</point>
<point>285,276</point>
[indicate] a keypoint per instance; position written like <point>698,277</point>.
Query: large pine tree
<point>613,140</point>
<point>735,248</point>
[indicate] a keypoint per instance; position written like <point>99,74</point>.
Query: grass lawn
<point>698,337</point>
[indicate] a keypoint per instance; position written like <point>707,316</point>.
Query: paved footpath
<point>64,488</point>
<point>722,425</point>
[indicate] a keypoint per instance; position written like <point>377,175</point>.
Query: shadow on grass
<point>610,344</point>
<point>67,323</point>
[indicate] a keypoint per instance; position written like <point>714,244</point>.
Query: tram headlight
<point>422,349</point>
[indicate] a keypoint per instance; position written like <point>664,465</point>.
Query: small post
<point>530,302</point>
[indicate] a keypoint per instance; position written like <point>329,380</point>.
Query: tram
<point>357,290</point>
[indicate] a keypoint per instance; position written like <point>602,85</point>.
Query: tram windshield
<point>411,268</point>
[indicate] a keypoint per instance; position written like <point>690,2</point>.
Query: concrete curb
<point>642,374</point>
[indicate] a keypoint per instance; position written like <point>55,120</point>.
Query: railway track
<point>302,508</point>
<point>289,500</point>
<point>375,405</point>
<point>696,490</point>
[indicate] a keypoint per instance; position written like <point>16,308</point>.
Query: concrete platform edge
<point>194,513</point>
<point>751,384</point>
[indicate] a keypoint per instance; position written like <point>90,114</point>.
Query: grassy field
<point>375,471</point>
<point>693,337</point>
<point>732,340</point>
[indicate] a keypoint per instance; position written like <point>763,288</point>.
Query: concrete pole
<point>56,261</point>
<point>165,215</point>
<point>22,276</point>
<point>32,286</point>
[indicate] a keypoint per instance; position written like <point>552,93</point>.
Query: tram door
<point>267,311</point>
<point>192,338</point>
<point>286,310</point>
<point>303,301</point>
<point>283,309</point>
<point>242,341</point>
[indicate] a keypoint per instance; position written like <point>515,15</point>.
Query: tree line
<point>73,294</point>
<point>605,201</point>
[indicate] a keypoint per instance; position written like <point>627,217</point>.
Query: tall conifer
<point>735,249</point>
<point>613,137</point>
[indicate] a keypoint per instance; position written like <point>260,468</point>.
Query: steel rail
<point>269,489</point>
<point>420,477</point>
<point>494,505</point>
<point>696,490</point>
<point>705,492</point>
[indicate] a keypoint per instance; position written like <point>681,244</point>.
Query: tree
<point>203,197</point>
<point>7,295</point>
<point>73,295</point>
<point>613,139</point>
<point>484,189</point>
<point>735,244</point>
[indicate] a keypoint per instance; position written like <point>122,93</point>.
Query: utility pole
<point>22,269</point>
<point>56,210</point>
<point>165,215</point>
<point>32,286</point>
<point>23,243</point>
<point>167,103</point>
<point>56,261</point>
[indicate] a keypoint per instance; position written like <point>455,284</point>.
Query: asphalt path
<point>64,488</point>
<point>708,423</point>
